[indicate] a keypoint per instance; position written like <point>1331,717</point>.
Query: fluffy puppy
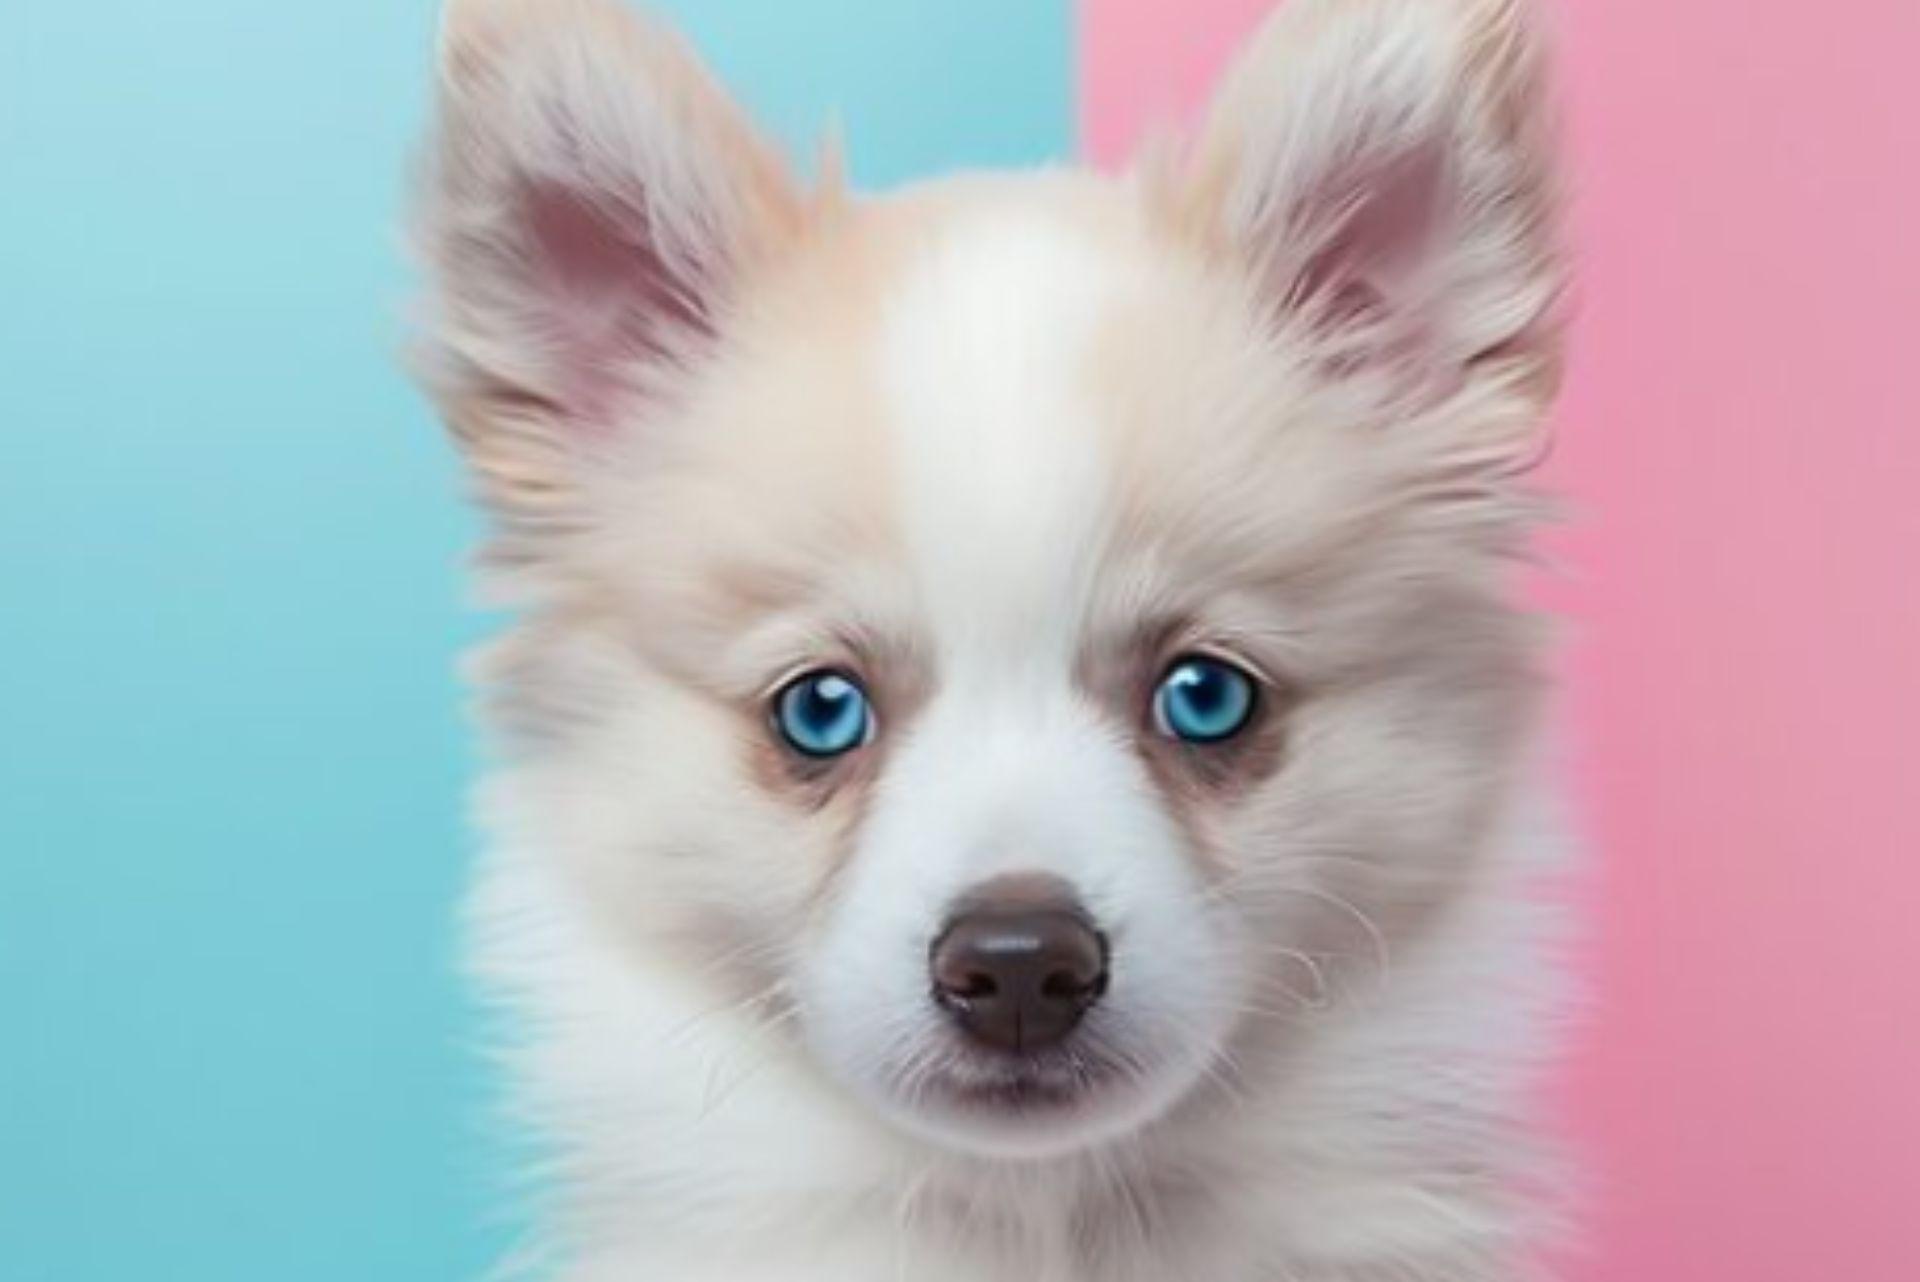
<point>1011,753</point>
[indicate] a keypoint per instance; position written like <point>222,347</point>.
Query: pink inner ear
<point>613,308</point>
<point>1375,220</point>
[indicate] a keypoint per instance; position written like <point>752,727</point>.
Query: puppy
<point>1012,757</point>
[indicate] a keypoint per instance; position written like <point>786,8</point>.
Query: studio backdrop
<point>233,1045</point>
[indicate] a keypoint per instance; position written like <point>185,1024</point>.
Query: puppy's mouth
<point>1041,1103</point>
<point>1107,1079</point>
<point>1054,1082</point>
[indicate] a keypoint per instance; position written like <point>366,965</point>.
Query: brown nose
<point>1017,971</point>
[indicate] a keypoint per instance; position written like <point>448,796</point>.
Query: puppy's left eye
<point>1203,700</point>
<point>823,714</point>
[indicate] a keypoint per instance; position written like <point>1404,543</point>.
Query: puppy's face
<point>1032,639</point>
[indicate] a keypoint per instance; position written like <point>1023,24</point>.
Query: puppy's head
<point>1033,635</point>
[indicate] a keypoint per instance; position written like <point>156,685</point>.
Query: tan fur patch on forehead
<point>1212,426</point>
<point>769,495</point>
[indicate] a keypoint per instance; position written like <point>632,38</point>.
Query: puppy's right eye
<point>1203,700</point>
<point>823,714</point>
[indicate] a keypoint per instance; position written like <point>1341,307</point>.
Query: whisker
<point>1382,952</point>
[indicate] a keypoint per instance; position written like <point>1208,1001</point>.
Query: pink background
<point>1741,439</point>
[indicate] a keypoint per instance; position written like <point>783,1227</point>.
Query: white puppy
<point>1012,748</point>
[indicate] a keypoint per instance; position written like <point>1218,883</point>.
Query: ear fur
<point>1382,171</point>
<point>590,202</point>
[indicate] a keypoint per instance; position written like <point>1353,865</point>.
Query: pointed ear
<point>591,201</point>
<point>1382,170</point>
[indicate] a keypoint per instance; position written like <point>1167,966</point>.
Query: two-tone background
<point>232,1046</point>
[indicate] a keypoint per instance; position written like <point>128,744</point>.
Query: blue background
<point>232,1040</point>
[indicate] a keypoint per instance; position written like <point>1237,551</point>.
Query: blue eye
<point>1203,700</point>
<point>823,714</point>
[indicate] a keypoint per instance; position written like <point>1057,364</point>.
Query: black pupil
<point>822,701</point>
<point>1206,689</point>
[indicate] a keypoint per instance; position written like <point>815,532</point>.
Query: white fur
<point>998,453</point>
